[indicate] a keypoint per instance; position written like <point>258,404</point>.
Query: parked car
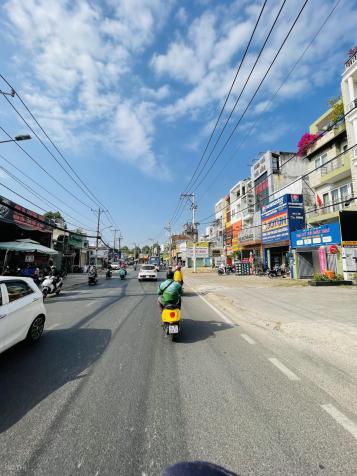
<point>147,272</point>
<point>22,313</point>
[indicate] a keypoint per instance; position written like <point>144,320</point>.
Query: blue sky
<point>130,89</point>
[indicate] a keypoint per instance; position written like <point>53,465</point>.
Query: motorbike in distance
<point>122,273</point>
<point>108,274</point>
<point>92,278</point>
<point>51,285</point>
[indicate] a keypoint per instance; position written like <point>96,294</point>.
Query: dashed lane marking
<point>248,339</point>
<point>284,369</point>
<point>338,416</point>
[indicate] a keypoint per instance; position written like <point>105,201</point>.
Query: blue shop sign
<point>281,217</point>
<point>318,236</point>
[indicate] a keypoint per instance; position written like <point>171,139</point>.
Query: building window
<point>320,160</point>
<point>334,199</point>
<point>261,187</point>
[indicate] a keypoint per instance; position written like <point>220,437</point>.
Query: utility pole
<point>98,212</point>
<point>115,240</point>
<point>191,197</point>
<point>119,238</point>
<point>168,229</point>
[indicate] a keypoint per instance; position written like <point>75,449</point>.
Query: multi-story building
<point>274,175</point>
<point>245,236</point>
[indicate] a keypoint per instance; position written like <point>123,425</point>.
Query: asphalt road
<point>106,393</point>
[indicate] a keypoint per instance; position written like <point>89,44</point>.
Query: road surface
<point>106,393</point>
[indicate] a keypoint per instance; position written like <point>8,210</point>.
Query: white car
<point>22,313</point>
<point>115,265</point>
<point>147,272</point>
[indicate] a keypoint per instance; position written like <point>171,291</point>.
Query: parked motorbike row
<point>275,272</point>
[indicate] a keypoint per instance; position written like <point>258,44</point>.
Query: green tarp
<point>27,246</point>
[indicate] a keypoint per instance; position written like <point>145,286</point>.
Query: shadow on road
<point>29,374</point>
<point>195,331</point>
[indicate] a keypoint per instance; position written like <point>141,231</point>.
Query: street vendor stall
<point>27,249</point>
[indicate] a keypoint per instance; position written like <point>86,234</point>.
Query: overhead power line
<point>302,177</point>
<point>88,191</point>
<point>46,172</point>
<point>41,197</point>
<point>293,156</point>
<point>43,222</point>
<point>179,204</point>
<point>270,101</point>
<point>243,88</point>
<point>255,93</point>
<point>33,181</point>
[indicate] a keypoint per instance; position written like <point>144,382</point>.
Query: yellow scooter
<point>171,321</point>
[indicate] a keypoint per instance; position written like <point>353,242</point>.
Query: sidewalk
<point>319,321</point>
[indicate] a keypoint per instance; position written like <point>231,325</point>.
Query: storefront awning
<point>27,246</point>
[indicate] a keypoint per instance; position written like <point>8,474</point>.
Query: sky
<point>129,92</point>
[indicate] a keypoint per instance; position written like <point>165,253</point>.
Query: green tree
<point>53,216</point>
<point>146,249</point>
<point>337,108</point>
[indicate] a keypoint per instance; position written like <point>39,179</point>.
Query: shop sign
<point>216,253</point>
<point>201,249</point>
<point>281,217</point>
<point>333,249</point>
<point>248,235</point>
<point>21,216</point>
<point>313,237</point>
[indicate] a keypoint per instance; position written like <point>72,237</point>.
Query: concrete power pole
<point>98,212</point>
<point>191,197</point>
<point>168,229</point>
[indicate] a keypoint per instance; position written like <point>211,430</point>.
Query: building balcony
<point>329,211</point>
<point>334,171</point>
<point>351,61</point>
<point>327,137</point>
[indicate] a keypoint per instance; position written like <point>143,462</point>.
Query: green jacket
<point>170,290</point>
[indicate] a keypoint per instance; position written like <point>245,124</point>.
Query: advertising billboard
<point>11,212</point>
<point>237,226</point>
<point>282,216</point>
<point>317,236</point>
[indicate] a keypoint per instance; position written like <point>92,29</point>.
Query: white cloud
<point>161,93</point>
<point>76,55</point>
<point>188,61</point>
<point>129,135</point>
<point>182,15</point>
<point>206,82</point>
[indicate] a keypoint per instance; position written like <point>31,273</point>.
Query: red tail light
<point>172,314</point>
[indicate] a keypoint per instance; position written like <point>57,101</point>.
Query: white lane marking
<point>221,315</point>
<point>284,369</point>
<point>90,304</point>
<point>347,424</point>
<point>248,339</point>
<point>50,328</point>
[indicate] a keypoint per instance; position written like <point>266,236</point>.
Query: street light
<point>17,138</point>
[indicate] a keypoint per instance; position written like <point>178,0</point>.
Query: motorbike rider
<point>169,292</point>
<point>178,276</point>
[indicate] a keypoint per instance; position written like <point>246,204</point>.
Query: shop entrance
<point>309,263</point>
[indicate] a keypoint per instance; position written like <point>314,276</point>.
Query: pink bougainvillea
<point>305,143</point>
